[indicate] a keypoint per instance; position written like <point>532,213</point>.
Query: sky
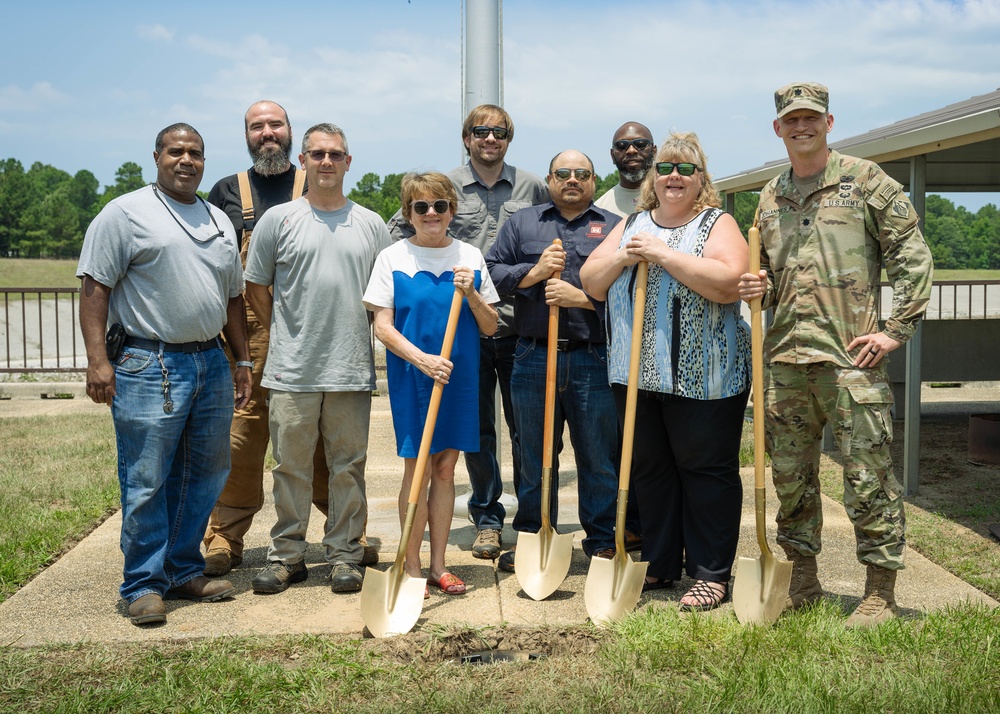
<point>87,85</point>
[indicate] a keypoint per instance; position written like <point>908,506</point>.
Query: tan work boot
<point>879,602</point>
<point>804,589</point>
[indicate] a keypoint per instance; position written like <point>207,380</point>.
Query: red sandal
<point>450,584</point>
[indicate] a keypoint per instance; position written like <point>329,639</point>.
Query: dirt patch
<point>951,486</point>
<point>448,643</point>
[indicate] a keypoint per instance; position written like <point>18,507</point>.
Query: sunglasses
<point>481,132</point>
<point>581,174</point>
<point>335,156</point>
<point>639,144</point>
<point>665,168</point>
<point>421,207</point>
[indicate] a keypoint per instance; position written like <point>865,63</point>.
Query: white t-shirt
<point>622,201</point>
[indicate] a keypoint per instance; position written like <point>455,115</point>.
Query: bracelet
<point>245,363</point>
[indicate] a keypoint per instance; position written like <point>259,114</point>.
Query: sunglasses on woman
<point>665,168</point>
<point>439,206</point>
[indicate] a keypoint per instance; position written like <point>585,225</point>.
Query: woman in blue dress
<point>410,294</point>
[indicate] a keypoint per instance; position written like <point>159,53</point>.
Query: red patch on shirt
<point>596,230</point>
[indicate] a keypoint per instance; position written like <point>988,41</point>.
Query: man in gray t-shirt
<point>164,266</point>
<point>316,253</point>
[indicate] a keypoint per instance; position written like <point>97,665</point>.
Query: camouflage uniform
<point>823,254</point>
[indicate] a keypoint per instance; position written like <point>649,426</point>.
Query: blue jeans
<point>496,362</point>
<point>584,400</point>
<point>171,467</point>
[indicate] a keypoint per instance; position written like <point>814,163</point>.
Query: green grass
<point>58,479</point>
<point>26,273</point>
<point>657,660</point>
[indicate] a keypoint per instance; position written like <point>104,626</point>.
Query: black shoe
<point>506,561</point>
<point>347,577</point>
<point>276,577</point>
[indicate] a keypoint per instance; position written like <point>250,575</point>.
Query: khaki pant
<point>243,495</point>
<point>339,421</point>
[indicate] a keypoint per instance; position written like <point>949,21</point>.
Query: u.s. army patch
<point>901,209</point>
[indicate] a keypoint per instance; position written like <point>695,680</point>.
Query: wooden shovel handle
<point>757,364</point>
<point>631,397</point>
<point>551,358</point>
<point>432,409</point>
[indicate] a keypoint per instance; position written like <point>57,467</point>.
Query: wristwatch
<point>245,363</point>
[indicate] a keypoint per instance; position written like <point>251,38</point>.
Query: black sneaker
<point>276,577</point>
<point>506,561</point>
<point>347,577</point>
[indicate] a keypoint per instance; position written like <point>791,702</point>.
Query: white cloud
<point>39,97</point>
<point>156,32</point>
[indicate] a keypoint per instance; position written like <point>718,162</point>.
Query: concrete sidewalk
<point>76,599</point>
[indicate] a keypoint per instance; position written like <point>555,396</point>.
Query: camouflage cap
<point>802,95</point>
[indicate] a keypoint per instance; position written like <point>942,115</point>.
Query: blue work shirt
<point>518,247</point>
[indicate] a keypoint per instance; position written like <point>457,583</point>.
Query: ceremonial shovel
<point>761,585</point>
<point>391,602</point>
<point>614,586</point>
<point>542,559</point>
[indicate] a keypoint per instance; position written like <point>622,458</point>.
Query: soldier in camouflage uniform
<point>826,225</point>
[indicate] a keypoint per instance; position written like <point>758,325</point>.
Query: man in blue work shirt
<point>522,263</point>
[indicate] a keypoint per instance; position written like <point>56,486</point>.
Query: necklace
<point>190,235</point>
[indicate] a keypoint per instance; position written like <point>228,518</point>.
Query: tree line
<point>44,213</point>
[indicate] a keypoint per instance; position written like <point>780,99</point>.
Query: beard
<point>639,174</point>
<point>271,159</point>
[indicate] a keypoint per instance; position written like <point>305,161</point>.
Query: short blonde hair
<point>432,184</point>
<point>681,147</point>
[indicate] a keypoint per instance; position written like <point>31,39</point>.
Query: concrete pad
<point>76,599</point>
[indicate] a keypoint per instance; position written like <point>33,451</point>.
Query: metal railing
<point>41,331</point>
<point>954,300</point>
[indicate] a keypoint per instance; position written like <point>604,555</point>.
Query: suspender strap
<point>246,198</point>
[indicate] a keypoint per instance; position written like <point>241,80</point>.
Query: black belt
<point>154,345</point>
<point>565,345</point>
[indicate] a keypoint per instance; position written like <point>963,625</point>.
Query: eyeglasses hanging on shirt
<point>218,231</point>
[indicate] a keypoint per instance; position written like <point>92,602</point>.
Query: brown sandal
<point>706,596</point>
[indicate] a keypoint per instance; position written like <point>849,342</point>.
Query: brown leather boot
<point>804,589</point>
<point>147,610</point>
<point>370,555</point>
<point>879,601</point>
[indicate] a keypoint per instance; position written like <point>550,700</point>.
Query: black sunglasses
<point>481,132</point>
<point>639,144</point>
<point>564,174</point>
<point>439,206</point>
<point>335,156</point>
<point>665,168</point>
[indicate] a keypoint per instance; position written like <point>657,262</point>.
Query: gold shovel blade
<point>613,587</point>
<point>388,610</point>
<point>761,589</point>
<point>542,561</point>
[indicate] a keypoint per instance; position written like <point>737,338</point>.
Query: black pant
<point>685,466</point>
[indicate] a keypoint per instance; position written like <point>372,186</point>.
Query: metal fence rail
<point>41,331</point>
<point>954,300</point>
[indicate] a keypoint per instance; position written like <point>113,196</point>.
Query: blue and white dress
<point>417,283</point>
<point>691,347</point>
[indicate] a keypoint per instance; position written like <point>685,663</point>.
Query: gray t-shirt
<point>319,263</point>
<point>171,273</point>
